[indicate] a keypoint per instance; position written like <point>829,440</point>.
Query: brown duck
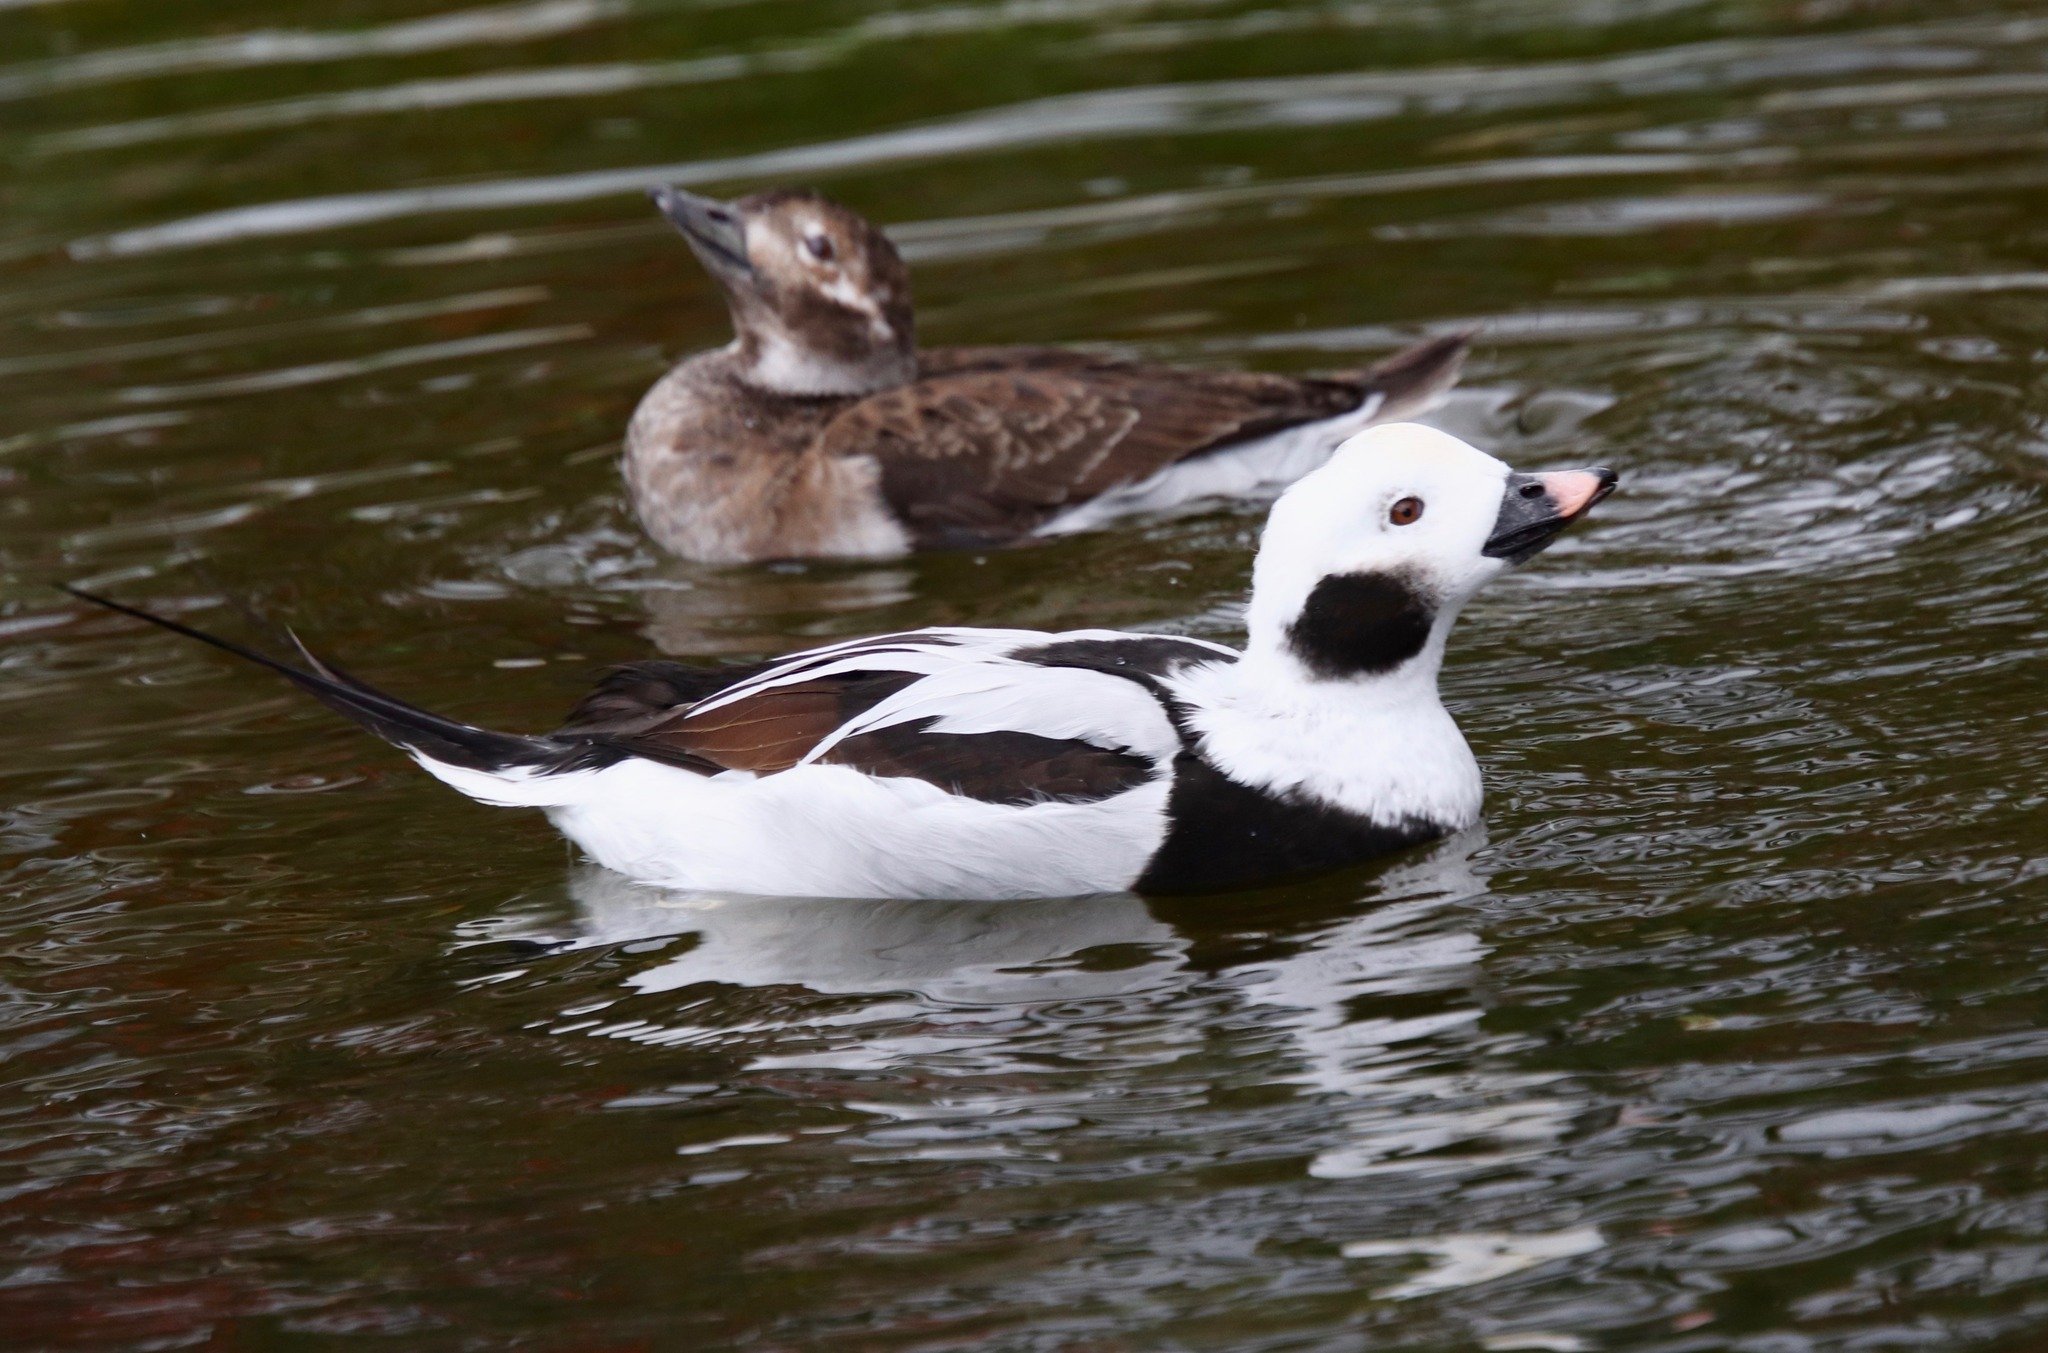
<point>821,430</point>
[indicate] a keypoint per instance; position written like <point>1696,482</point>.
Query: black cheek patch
<point>1360,624</point>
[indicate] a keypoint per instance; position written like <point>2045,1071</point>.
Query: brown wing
<point>990,443</point>
<point>1409,381</point>
<point>774,728</point>
<point>933,362</point>
<point>982,456</point>
<point>767,730</point>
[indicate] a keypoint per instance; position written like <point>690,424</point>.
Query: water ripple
<point>1725,1034</point>
<point>319,373</point>
<point>1300,101</point>
<point>495,24</point>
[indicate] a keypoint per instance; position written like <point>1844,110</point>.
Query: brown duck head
<point>820,299</point>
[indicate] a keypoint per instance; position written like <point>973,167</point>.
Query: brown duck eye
<point>1406,512</point>
<point>818,247</point>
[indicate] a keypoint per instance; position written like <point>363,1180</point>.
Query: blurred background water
<point>1725,1032</point>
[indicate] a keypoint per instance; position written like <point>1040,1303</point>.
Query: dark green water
<point>1726,1032</point>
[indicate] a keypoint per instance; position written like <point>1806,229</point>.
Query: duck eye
<point>1406,512</point>
<point>818,246</point>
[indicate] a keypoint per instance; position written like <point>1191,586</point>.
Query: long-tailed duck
<point>822,430</point>
<point>1014,763</point>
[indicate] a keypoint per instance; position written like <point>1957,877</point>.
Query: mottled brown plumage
<point>822,430</point>
<point>1000,444</point>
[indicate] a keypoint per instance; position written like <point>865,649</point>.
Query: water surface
<point>1724,1032</point>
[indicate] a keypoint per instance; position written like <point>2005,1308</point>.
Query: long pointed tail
<point>496,767</point>
<point>1414,380</point>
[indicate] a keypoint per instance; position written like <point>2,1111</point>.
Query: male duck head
<point>820,299</point>
<point>1365,563</point>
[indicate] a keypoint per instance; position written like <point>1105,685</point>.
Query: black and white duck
<point>1015,763</point>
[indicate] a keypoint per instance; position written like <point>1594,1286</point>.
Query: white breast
<point>1390,752</point>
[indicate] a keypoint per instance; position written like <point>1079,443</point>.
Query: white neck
<point>1382,746</point>
<point>788,369</point>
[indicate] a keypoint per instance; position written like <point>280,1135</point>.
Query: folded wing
<point>986,456</point>
<point>997,716</point>
<point>991,443</point>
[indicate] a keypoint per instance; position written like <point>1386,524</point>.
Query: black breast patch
<point>1223,835</point>
<point>1360,624</point>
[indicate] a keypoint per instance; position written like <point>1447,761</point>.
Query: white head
<point>1365,563</point>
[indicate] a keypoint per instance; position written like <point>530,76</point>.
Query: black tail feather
<point>397,722</point>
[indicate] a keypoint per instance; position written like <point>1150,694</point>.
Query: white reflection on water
<point>274,47</point>
<point>1467,1259</point>
<point>552,82</point>
<point>179,345</point>
<point>949,953</point>
<point>1620,216</point>
<point>1225,105</point>
<point>320,373</point>
<point>1420,1083</point>
<point>696,611</point>
<point>412,96</point>
<point>999,988</point>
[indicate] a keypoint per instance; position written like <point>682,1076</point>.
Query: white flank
<point>830,831</point>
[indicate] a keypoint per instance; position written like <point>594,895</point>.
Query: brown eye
<point>1406,512</point>
<point>818,247</point>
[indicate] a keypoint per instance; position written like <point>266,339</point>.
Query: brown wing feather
<point>768,730</point>
<point>990,443</point>
<point>773,729</point>
<point>1414,379</point>
<point>984,455</point>
<point>932,362</point>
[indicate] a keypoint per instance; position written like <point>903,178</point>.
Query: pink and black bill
<point>1537,507</point>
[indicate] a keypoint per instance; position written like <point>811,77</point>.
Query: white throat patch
<point>782,366</point>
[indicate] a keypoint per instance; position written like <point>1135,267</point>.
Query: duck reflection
<point>961,954</point>
<point>1382,1007</point>
<point>1366,993</point>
